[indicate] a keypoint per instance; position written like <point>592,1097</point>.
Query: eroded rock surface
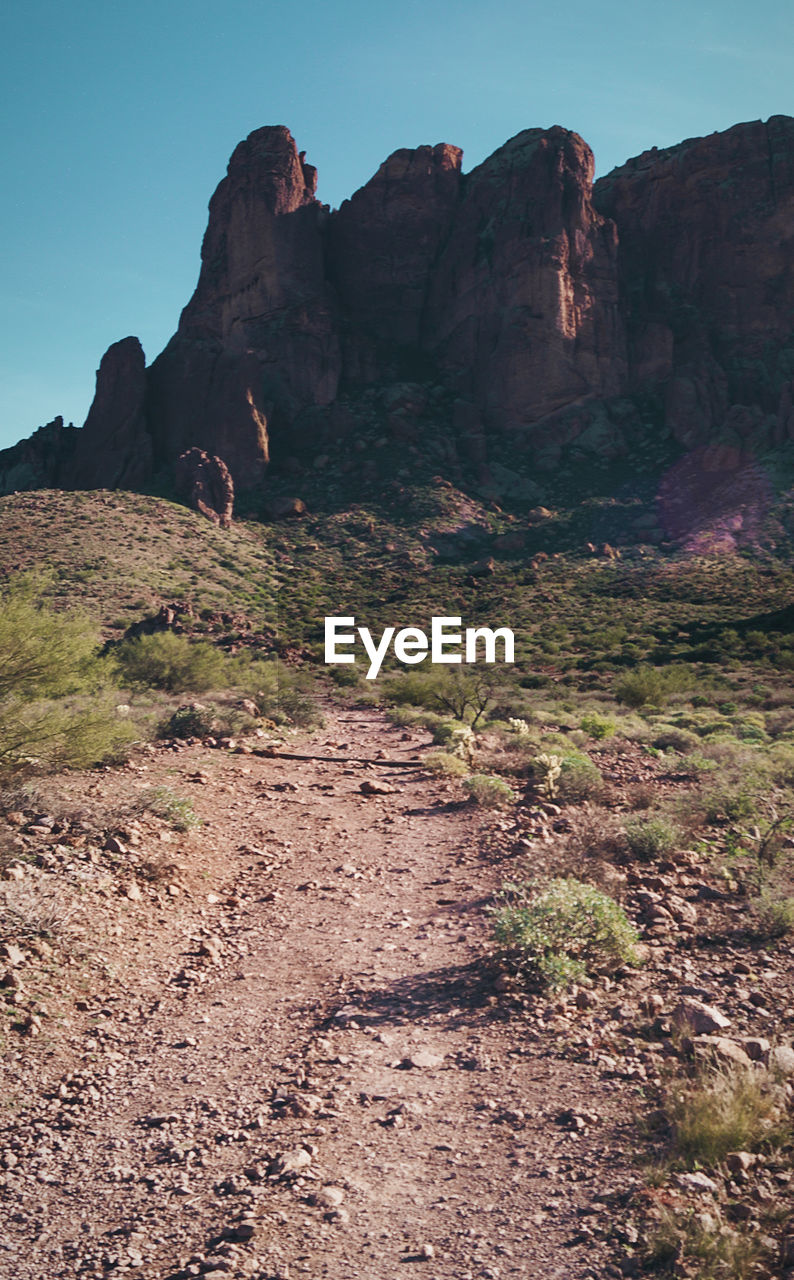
<point>205,482</point>
<point>523,301</point>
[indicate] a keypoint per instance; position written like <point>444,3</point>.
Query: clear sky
<point>120,116</point>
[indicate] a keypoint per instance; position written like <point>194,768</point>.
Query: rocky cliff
<point>520,301</point>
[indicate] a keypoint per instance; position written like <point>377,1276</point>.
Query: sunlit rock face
<point>259,338</point>
<point>523,302</point>
<point>539,309</point>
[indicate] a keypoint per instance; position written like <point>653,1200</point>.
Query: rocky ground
<point>278,1045</point>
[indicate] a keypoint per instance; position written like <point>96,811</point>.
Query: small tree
<point>56,703</point>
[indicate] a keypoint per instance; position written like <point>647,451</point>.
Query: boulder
<point>703,1019</point>
<point>204,481</point>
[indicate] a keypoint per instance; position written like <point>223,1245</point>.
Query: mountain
<point>518,308</point>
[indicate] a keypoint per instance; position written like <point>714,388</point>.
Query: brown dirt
<point>345,1017</point>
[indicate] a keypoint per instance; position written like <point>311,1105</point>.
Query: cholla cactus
<point>548,769</point>
<point>519,727</point>
<point>462,744</point>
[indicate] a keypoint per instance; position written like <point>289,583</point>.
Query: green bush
<point>490,792</point>
<point>298,706</point>
<point>775,916</point>
<point>597,726</point>
<point>650,838</point>
<point>652,685</point>
<point>173,808</point>
<point>57,704</point>
<point>171,662</point>
<point>579,779</point>
<point>464,692</point>
<point>193,721</point>
<point>730,801</point>
<point>443,762</point>
<point>566,931</point>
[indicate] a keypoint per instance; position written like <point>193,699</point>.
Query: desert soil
<point>296,1062</point>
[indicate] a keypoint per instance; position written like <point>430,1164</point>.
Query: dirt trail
<point>323,1082</point>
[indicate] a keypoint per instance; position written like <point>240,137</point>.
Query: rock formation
<point>523,302</point>
<point>259,338</point>
<point>517,300</point>
<point>114,448</point>
<point>707,279</point>
<point>204,481</point>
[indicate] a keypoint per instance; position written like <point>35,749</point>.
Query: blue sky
<point>119,119</point>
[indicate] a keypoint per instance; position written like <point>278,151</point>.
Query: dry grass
<point>702,1244</point>
<point>34,907</point>
<point>723,1111</point>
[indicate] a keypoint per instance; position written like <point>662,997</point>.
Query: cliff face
<point>532,299</point>
<point>522,309</point>
<point>706,232</point>
<point>259,337</point>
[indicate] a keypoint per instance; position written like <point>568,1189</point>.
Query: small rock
<point>695,1182</point>
<point>681,910</point>
<point>427,1251</point>
<point>290,1163</point>
<point>702,1018</point>
<point>781,1060</point>
<point>240,1231</point>
<point>114,845</point>
<point>340,1216</point>
<point>756,1047</point>
<point>722,1050</point>
<point>13,954</point>
<point>740,1161</point>
<point>133,892</point>
<point>11,980</point>
<point>423,1059</point>
<point>328,1197</point>
<point>371,787</point>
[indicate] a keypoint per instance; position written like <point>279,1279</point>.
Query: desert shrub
<point>734,802</point>
<point>171,662</point>
<point>564,932</point>
<point>345,676</point>
<point>175,809</point>
<point>597,726</point>
<point>775,915</point>
<point>412,716</point>
<point>298,706</point>
<point>57,705</point>
<point>456,737</point>
<point>650,838</point>
<point>36,906</point>
<point>488,791</point>
<point>443,762</point>
<point>43,653</point>
<point>687,1242</point>
<point>780,721</point>
<point>594,832</point>
<point>195,720</point>
<point>652,685</point>
<point>671,738</point>
<point>723,1111</point>
<point>580,779</point>
<point>464,692</point>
